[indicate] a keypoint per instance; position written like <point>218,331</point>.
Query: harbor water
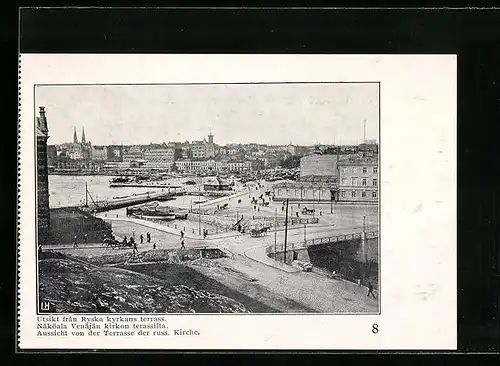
<point>67,190</point>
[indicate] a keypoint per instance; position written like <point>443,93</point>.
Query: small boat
<point>120,180</point>
<point>200,202</point>
<point>190,183</point>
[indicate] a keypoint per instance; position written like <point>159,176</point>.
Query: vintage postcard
<point>237,202</point>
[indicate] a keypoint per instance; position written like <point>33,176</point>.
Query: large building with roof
<point>358,178</point>
<point>318,165</point>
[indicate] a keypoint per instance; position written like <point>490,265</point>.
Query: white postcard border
<point>418,200</point>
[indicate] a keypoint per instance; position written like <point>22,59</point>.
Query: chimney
<point>42,121</point>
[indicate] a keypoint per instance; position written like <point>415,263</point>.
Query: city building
<point>236,166</point>
<point>216,184</point>
<point>203,149</point>
<point>98,153</point>
<point>207,165</point>
<point>368,148</point>
<point>317,189</point>
<point>159,158</point>
<point>358,179</point>
<point>43,214</point>
<point>318,165</point>
<point>133,154</point>
<point>114,153</point>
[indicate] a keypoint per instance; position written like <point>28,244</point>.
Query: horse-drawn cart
<point>307,211</point>
<point>256,232</point>
<point>115,244</point>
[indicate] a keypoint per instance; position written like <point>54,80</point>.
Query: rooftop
<point>356,159</point>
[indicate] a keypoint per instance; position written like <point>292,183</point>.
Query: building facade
<point>208,165</point>
<point>358,179</point>
<point>318,165</point>
<point>159,158</point>
<point>203,149</point>
<point>43,211</point>
<point>98,153</point>
<point>133,154</point>
<point>114,153</point>
<point>312,191</point>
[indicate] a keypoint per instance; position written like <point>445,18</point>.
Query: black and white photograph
<point>218,198</point>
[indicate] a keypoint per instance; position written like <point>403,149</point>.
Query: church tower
<point>210,148</point>
<point>75,137</point>
<point>83,135</point>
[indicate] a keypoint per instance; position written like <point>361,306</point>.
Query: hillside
<point>79,287</point>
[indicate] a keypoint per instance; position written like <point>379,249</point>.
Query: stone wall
<point>43,219</point>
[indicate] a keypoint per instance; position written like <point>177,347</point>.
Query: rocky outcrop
<point>75,286</point>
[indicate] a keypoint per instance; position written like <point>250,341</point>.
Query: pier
<point>107,205</point>
<point>144,185</point>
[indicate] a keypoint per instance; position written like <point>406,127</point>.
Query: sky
<point>301,114</point>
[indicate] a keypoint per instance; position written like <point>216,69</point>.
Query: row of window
<point>300,192</point>
<point>361,170</point>
<point>354,194</point>
<point>364,182</point>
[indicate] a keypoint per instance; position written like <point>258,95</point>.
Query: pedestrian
<point>85,238</point>
<point>40,251</point>
<point>321,213</point>
<point>182,234</point>
<point>148,236</point>
<point>296,213</point>
<point>133,233</point>
<point>75,244</point>
<point>154,246</point>
<point>258,209</point>
<point>134,244</point>
<point>182,244</point>
<point>124,242</point>
<point>254,207</point>
<point>282,208</point>
<point>204,233</point>
<point>370,290</point>
<point>141,238</point>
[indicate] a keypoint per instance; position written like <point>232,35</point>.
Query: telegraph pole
<point>286,231</point>
<point>275,231</point>
<point>363,240</point>
<point>199,219</point>
<point>313,204</point>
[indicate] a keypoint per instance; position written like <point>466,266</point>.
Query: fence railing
<point>303,244</point>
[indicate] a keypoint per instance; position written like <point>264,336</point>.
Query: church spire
<point>75,137</point>
<point>83,135</point>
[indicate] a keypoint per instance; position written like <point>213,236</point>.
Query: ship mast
<point>87,194</point>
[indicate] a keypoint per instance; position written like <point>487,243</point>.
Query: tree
<point>290,162</point>
<point>177,153</point>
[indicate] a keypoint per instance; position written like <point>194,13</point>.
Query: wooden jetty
<point>144,185</point>
<point>113,204</point>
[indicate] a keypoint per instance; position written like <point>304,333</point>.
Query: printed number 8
<point>375,328</point>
